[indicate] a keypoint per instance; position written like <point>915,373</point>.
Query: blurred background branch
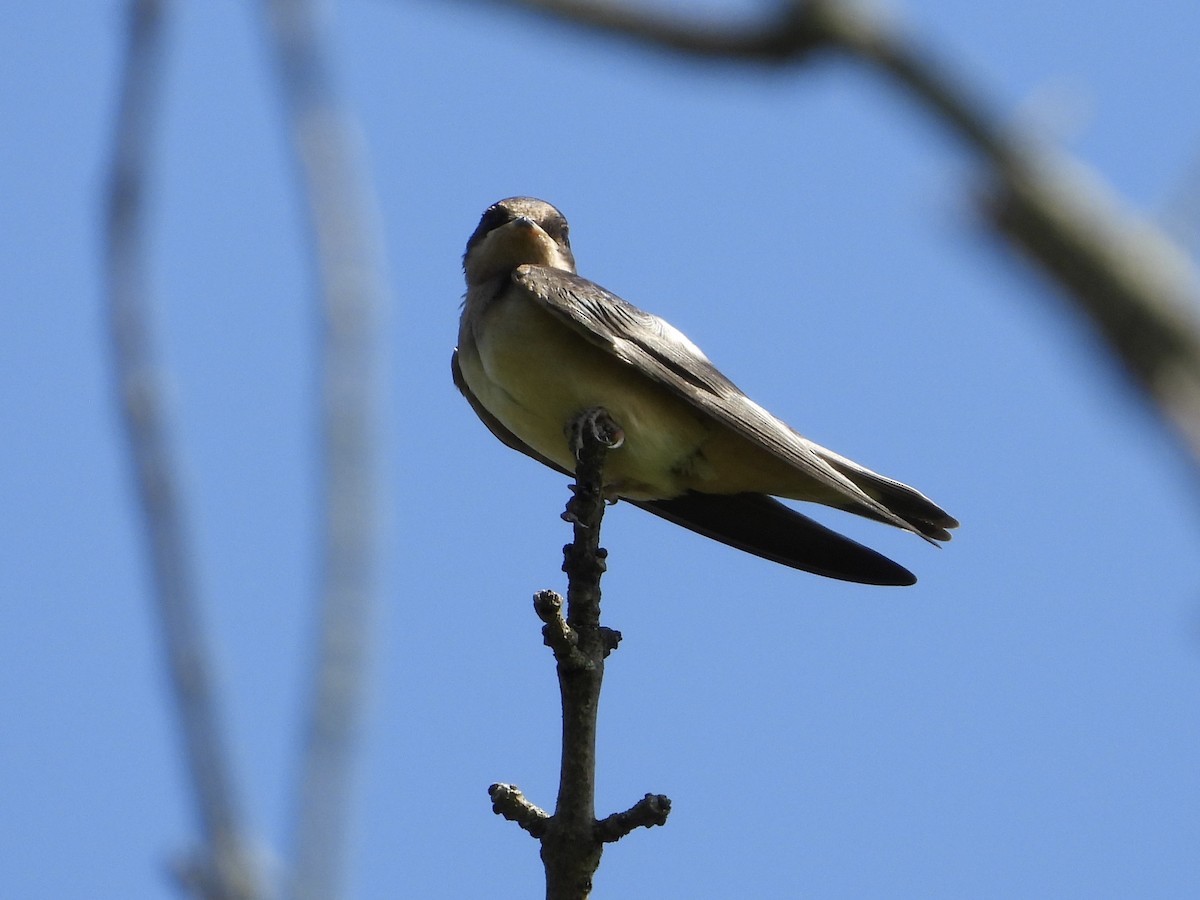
<point>223,868</point>
<point>347,251</point>
<point>1138,289</point>
<point>346,248</point>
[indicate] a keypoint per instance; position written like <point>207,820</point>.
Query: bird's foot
<point>599,424</point>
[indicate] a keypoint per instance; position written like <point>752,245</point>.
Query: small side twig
<point>572,840</point>
<point>651,810</point>
<point>508,801</point>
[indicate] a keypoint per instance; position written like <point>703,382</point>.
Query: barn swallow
<point>538,345</point>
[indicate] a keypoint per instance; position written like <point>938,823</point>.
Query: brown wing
<point>754,523</point>
<point>662,353</point>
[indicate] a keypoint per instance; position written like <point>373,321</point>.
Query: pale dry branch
<point>222,869</point>
<point>346,247</point>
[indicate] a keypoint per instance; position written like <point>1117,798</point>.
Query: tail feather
<point>763,526</point>
<point>906,502</point>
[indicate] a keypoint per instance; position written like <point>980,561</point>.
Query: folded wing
<point>753,523</point>
<point>662,353</point>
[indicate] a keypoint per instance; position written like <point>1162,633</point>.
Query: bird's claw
<point>600,425</point>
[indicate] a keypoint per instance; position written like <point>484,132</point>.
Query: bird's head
<point>516,232</point>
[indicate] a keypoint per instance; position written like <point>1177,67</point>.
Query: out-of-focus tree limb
<point>1138,288</point>
<point>790,33</point>
<point>223,869</point>
<point>347,251</point>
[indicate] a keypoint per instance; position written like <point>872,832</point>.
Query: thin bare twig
<point>570,850</point>
<point>347,250</point>
<point>223,868</point>
<point>572,840</point>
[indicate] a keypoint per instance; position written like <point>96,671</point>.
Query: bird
<point>539,346</point>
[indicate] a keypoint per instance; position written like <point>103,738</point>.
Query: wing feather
<point>754,523</point>
<point>658,350</point>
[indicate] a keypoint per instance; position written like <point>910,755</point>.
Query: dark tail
<point>765,527</point>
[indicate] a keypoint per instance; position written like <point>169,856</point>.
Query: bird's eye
<point>559,230</point>
<point>494,218</point>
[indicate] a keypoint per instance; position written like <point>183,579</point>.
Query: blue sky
<point>1023,722</point>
